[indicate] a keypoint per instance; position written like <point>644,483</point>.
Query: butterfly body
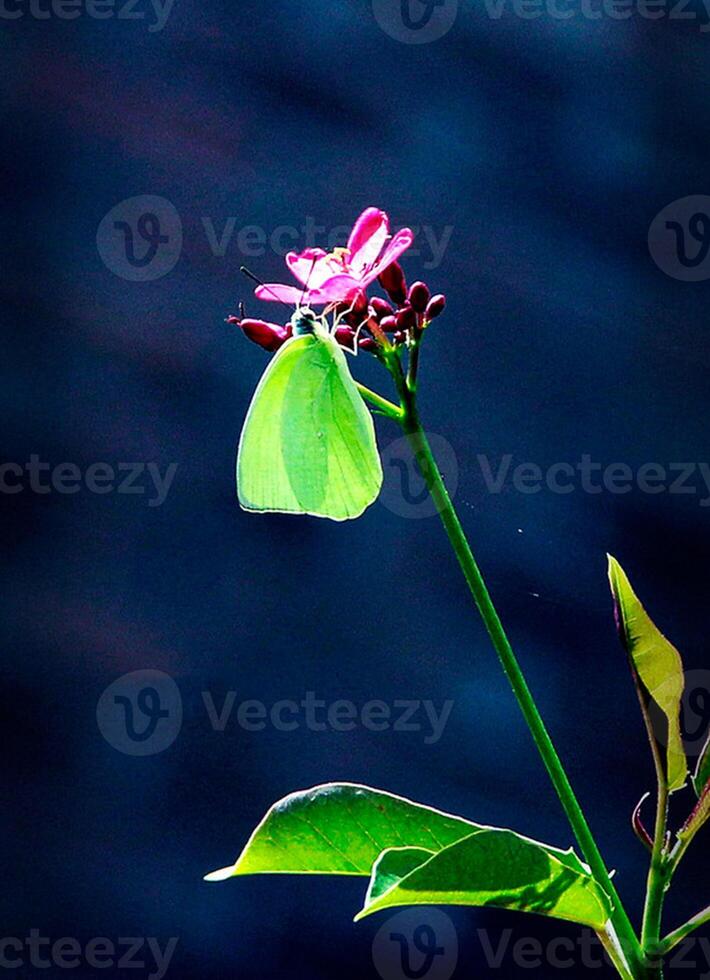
<point>304,322</point>
<point>308,443</point>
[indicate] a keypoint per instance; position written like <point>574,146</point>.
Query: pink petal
<point>367,239</point>
<point>334,290</point>
<point>400,243</point>
<point>276,293</point>
<point>308,266</point>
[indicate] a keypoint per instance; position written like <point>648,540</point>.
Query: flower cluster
<point>339,281</point>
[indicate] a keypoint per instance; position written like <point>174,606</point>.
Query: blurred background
<point>531,154</point>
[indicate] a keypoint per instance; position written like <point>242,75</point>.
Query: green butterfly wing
<point>308,443</point>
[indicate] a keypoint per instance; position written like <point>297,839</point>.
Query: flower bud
<point>418,296</point>
<point>345,337</point>
<point>435,306</point>
<point>358,302</point>
<point>353,319</point>
<point>380,307</point>
<point>406,318</point>
<point>368,343</point>
<point>399,337</point>
<point>388,323</point>
<point>394,284</point>
<point>270,336</point>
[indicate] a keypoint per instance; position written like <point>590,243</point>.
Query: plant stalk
<point>659,871</point>
<point>678,935</point>
<point>422,451</point>
<point>381,404</point>
<point>658,879</point>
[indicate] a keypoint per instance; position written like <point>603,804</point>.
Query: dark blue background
<point>548,147</point>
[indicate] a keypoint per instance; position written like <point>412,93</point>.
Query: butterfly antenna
<point>250,275</point>
<point>308,280</point>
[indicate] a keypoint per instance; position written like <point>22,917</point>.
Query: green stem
<point>678,935</point>
<point>382,405</point>
<point>657,878</point>
<point>616,956</point>
<point>659,872</point>
<point>423,454</point>
<point>412,373</point>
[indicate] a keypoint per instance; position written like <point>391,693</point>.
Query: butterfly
<point>308,444</point>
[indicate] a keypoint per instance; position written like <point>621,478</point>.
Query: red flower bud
<point>345,337</point>
<point>419,296</point>
<point>368,343</point>
<point>380,307</point>
<point>359,302</point>
<point>436,306</point>
<point>270,336</point>
<point>399,337</point>
<point>388,323</point>
<point>406,318</point>
<point>394,284</point>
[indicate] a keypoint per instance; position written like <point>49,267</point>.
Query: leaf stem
<point>413,371</point>
<point>383,405</point>
<point>423,454</point>
<point>615,954</point>
<point>678,935</point>
<point>658,876</point>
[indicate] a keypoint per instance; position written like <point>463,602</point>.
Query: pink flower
<point>333,277</point>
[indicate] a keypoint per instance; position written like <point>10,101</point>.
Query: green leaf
<point>657,667</point>
<point>702,773</point>
<point>341,828</point>
<point>391,866</point>
<point>490,868</point>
